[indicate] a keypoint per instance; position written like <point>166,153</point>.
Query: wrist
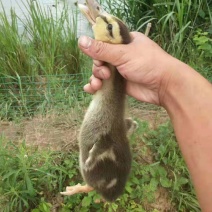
<point>176,79</point>
<point>183,91</point>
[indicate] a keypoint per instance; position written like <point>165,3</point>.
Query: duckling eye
<point>109,27</point>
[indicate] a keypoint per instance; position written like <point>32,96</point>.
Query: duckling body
<point>105,157</point>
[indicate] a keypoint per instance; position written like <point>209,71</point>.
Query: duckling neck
<point>113,88</point>
<point>110,100</point>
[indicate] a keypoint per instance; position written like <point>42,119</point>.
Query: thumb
<point>99,50</point>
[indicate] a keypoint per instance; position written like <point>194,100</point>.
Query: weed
<point>47,45</point>
<point>174,175</point>
<point>25,96</point>
<point>27,175</point>
<point>38,66</point>
<point>204,43</point>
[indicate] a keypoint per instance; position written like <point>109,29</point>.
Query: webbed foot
<point>71,190</point>
<point>131,125</point>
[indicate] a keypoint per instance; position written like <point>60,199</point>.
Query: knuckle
<point>95,73</point>
<point>99,48</point>
<point>95,70</point>
<point>91,78</point>
<point>97,63</point>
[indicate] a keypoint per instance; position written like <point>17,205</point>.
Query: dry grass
<point>162,201</point>
<point>54,131</point>
<point>59,131</point>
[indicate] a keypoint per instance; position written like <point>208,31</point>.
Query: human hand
<point>154,76</point>
<point>145,66</point>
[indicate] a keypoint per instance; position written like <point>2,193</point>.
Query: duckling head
<point>106,27</point>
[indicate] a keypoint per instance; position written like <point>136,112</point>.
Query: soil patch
<point>55,131</point>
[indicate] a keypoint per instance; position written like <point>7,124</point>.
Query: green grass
<point>41,68</point>
<point>47,45</point>
<point>25,96</point>
<point>31,178</point>
<point>28,175</point>
<point>176,178</point>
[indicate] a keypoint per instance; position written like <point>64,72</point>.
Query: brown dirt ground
<point>60,130</point>
<point>55,131</point>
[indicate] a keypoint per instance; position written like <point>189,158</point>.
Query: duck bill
<point>91,10</point>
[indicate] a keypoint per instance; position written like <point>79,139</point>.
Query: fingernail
<point>84,42</point>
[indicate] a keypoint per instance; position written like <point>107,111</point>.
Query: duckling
<point>105,156</point>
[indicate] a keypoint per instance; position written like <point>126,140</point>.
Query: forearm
<point>188,100</point>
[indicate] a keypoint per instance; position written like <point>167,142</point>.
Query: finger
<point>98,63</point>
<point>91,78</point>
<point>99,50</point>
<point>88,89</point>
<point>102,72</point>
<point>96,83</point>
